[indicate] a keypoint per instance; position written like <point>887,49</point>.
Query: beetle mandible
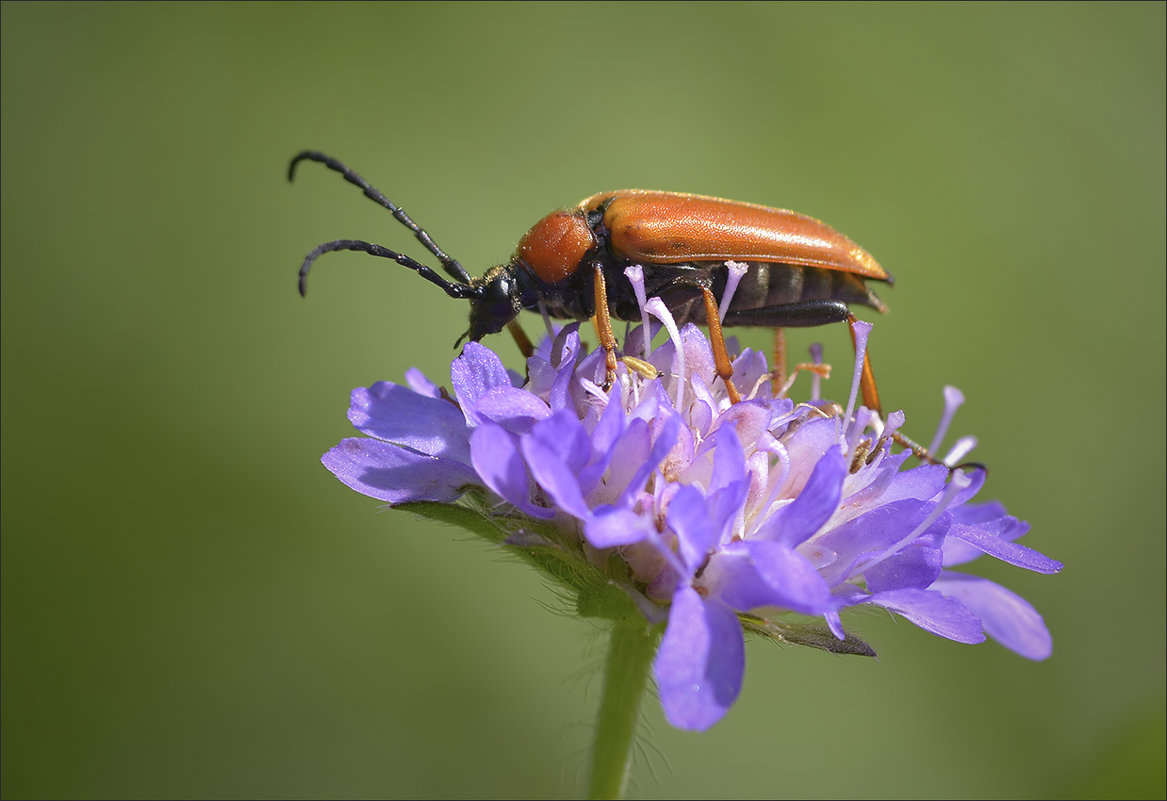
<point>801,272</point>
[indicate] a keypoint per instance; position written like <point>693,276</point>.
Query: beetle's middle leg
<point>720,357</point>
<point>603,324</point>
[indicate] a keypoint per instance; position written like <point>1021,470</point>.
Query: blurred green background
<point>193,607</point>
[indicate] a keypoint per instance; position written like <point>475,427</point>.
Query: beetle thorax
<point>554,248</point>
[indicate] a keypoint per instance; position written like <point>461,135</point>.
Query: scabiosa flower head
<point>661,498</point>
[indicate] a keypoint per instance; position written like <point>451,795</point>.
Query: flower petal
<point>556,450</point>
<point>995,538</point>
<point>395,474</point>
<point>498,460</point>
<point>757,573</point>
<point>701,661</point>
<point>688,517</point>
<point>869,535</point>
<point>1007,617</point>
<point>474,374</point>
<point>916,567</point>
<point>797,521</point>
<point>516,410</point>
<point>397,414</point>
<point>934,613</point>
<point>612,526</point>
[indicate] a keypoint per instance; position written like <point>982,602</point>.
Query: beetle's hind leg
<point>720,356</point>
<point>778,371</point>
<point>867,379</point>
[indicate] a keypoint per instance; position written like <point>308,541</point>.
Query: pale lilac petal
<point>612,526</point>
<point>805,448</point>
<point>1007,617</point>
<point>701,662</point>
<point>976,480</point>
<point>395,474</point>
<point>750,420</point>
<point>798,520</point>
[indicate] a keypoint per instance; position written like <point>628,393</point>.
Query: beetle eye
<point>498,292</point>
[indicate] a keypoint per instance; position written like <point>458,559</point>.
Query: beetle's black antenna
<point>461,291</point>
<point>451,266</point>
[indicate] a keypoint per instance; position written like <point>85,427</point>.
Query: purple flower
<point>707,515</point>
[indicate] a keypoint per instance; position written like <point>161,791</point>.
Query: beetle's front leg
<point>521,339</point>
<point>603,323</point>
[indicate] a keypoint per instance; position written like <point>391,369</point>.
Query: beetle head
<point>496,301</point>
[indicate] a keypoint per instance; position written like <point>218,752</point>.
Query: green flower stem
<point>630,653</point>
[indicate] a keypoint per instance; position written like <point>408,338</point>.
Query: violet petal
<point>611,526</point>
<point>1007,617</point>
<point>474,374</point>
<point>397,414</point>
<point>688,517</point>
<point>933,612</point>
<point>701,661</point>
<point>496,456</point>
<point>757,573</point>
<point>391,473</point>
<point>798,520</point>
<point>556,450</point>
<point>998,543</point>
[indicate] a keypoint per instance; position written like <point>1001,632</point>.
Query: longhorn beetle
<point>801,272</point>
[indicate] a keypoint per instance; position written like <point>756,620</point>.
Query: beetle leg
<point>867,379</point>
<point>778,374</point>
<point>521,339</point>
<point>603,324</point>
<point>720,357</point>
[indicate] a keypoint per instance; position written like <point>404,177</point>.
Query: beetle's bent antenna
<point>460,291</point>
<point>451,266</point>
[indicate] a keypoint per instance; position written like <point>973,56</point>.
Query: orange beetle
<point>801,272</point>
